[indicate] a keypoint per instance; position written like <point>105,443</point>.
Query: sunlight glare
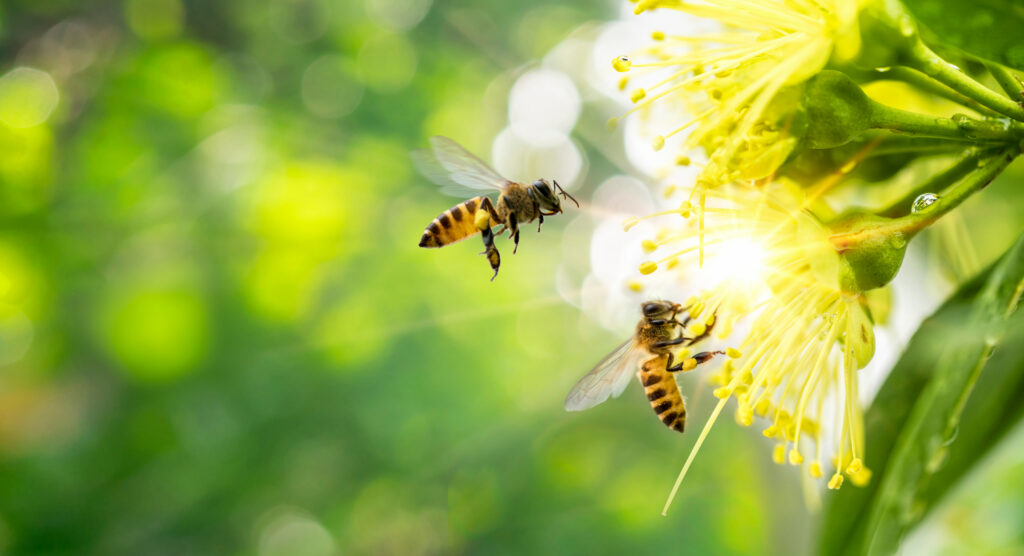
<point>737,259</point>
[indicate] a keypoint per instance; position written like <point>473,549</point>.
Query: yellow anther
<point>861,477</point>
<point>763,407</point>
<point>795,457</point>
<point>623,82</point>
<point>835,482</point>
<point>855,466</point>
<point>628,223</point>
<point>748,378</point>
<point>720,393</point>
<point>807,426</point>
<point>658,142</point>
<point>685,209</point>
<point>779,454</point>
<point>696,309</point>
<point>696,328</point>
<point>622,63</point>
<point>635,286</point>
<point>708,322</point>
<point>672,263</point>
<point>771,431</point>
<point>648,246</point>
<point>744,415</point>
<point>814,470</point>
<point>482,220</point>
<point>733,353</point>
<point>683,353</point>
<point>658,36</point>
<point>612,124</point>
<point>790,432</point>
<point>682,160</point>
<point>689,364</point>
<point>669,191</point>
<point>637,95</point>
<point>648,267</point>
<point>690,301</point>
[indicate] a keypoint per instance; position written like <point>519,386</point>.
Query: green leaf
<point>937,413</point>
<point>989,29</point>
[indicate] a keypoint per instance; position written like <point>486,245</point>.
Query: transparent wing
<point>609,378</point>
<point>452,166</point>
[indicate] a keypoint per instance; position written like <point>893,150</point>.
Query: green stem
<point>960,127</point>
<point>921,81</point>
<point>952,197</point>
<point>1007,80</point>
<point>967,163</point>
<point>921,58</point>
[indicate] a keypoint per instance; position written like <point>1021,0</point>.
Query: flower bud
<point>837,110</point>
<point>871,252</point>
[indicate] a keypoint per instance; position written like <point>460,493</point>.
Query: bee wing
<point>455,168</point>
<point>609,378</point>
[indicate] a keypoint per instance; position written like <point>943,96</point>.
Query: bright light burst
<point>773,265</point>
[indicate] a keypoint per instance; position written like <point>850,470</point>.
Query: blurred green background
<point>217,334</point>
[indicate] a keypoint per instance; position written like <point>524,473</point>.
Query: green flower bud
<point>870,249</point>
<point>837,110</point>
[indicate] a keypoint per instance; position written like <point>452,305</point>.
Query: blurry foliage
<point>217,333</point>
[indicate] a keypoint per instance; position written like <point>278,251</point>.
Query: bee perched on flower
<point>777,274</point>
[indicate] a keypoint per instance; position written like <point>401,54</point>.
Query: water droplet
<point>622,63</point>
<point>924,201</point>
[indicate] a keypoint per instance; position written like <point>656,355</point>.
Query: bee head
<point>653,309</point>
<point>547,197</point>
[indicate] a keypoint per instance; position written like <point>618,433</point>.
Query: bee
<point>657,334</point>
<point>518,203</point>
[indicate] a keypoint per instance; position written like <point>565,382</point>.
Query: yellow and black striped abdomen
<point>454,224</point>
<point>663,392</point>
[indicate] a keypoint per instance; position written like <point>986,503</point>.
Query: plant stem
<point>968,162</point>
<point>952,197</point>
<point>921,81</point>
<point>963,128</point>
<point>921,58</point>
<point>1007,80</point>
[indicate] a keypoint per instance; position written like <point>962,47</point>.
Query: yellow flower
<point>774,270</point>
<point>736,84</point>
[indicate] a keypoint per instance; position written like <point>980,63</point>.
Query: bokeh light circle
<point>28,97</point>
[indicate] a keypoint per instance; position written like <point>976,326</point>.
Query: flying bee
<point>518,203</point>
<point>657,334</point>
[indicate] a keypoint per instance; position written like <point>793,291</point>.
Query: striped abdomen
<point>661,388</point>
<point>454,224</point>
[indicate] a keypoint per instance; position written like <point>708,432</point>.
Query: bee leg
<point>513,229</point>
<point>667,343</point>
<point>493,257</point>
<point>702,357</point>
<point>540,222</point>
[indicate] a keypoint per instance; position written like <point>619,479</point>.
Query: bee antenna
<point>564,194</point>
